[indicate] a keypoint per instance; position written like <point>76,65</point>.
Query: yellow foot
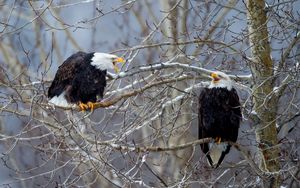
<point>87,106</point>
<point>218,140</point>
<point>83,107</point>
<point>91,105</point>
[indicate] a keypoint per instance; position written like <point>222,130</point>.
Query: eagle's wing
<point>65,74</point>
<point>234,102</point>
<point>234,106</point>
<point>201,127</point>
<point>200,114</point>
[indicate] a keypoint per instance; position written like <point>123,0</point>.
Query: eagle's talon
<point>87,106</point>
<point>83,107</point>
<point>91,105</point>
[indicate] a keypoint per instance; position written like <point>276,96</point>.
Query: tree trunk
<point>265,105</point>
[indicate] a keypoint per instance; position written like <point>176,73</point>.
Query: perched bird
<point>219,117</point>
<point>81,79</point>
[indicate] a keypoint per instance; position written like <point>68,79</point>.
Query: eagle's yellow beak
<point>215,77</point>
<point>118,60</point>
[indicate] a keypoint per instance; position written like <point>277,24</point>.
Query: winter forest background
<point>144,132</point>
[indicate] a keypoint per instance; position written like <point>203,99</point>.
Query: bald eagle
<point>81,80</point>
<point>219,117</point>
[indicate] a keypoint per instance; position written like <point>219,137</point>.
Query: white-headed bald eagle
<point>219,117</point>
<point>81,79</point>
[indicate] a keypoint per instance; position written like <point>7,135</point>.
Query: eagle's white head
<point>221,80</point>
<point>106,61</point>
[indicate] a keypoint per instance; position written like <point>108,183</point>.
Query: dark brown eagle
<point>81,79</point>
<point>219,117</point>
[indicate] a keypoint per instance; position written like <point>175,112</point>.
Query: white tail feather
<point>60,101</point>
<point>215,151</point>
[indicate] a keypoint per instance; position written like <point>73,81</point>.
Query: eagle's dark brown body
<point>219,116</point>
